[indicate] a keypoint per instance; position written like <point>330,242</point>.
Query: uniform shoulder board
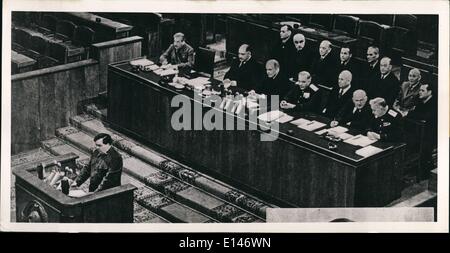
<point>313,87</point>
<point>392,113</point>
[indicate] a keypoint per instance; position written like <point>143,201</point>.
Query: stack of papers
<point>141,62</point>
<point>360,140</point>
<point>77,193</point>
<point>345,136</point>
<point>166,72</point>
<point>271,116</point>
<point>198,82</point>
<point>311,126</point>
<point>368,151</point>
<point>338,130</point>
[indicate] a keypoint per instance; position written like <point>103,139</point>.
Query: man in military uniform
<point>385,125</point>
<point>104,168</point>
<point>179,53</point>
<point>357,115</point>
<point>408,96</point>
<point>304,97</point>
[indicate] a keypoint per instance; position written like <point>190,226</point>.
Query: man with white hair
<point>385,125</point>
<point>409,92</point>
<point>339,96</point>
<point>372,68</point>
<point>301,58</point>
<point>357,115</point>
<point>324,67</point>
<point>273,83</point>
<point>179,53</point>
<point>386,85</point>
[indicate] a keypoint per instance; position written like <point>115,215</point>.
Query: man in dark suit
<point>339,96</point>
<point>273,83</point>
<point>347,63</point>
<point>302,58</point>
<point>371,70</point>
<point>284,48</point>
<point>426,109</point>
<point>104,168</point>
<point>357,115</point>
<point>408,96</point>
<point>245,72</point>
<point>303,97</point>
<point>324,67</point>
<point>386,85</point>
<point>386,123</point>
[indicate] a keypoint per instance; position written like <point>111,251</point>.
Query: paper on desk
<point>198,82</point>
<point>252,104</point>
<point>368,151</point>
<point>360,140</point>
<point>300,121</point>
<point>321,131</point>
<point>345,136</point>
<point>168,72</point>
<point>284,119</point>
<point>271,116</point>
<point>141,62</point>
<point>338,129</point>
<point>313,125</point>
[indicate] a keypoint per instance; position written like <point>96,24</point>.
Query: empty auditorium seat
<point>406,21</point>
<point>23,38</point>
<point>322,21</point>
<point>346,24</point>
<point>369,33</point>
<point>65,30</point>
<point>49,22</point>
<point>58,52</point>
<point>399,41</point>
<point>385,19</point>
<point>38,44</point>
<point>83,37</point>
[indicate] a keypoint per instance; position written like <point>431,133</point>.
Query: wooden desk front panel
<point>282,169</point>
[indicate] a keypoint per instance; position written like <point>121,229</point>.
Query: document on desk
<point>284,119</point>
<point>311,126</point>
<point>198,82</point>
<point>368,151</point>
<point>338,129</point>
<point>141,62</point>
<point>168,72</point>
<point>300,121</point>
<point>271,116</point>
<point>345,136</point>
<point>360,140</point>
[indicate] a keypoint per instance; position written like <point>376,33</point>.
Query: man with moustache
<point>179,53</point>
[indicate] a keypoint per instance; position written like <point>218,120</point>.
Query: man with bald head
<point>283,48</point>
<point>340,95</point>
<point>356,115</point>
<point>386,85</point>
<point>273,83</point>
<point>245,71</point>
<point>409,92</point>
<point>347,63</point>
<point>324,67</point>
<point>302,58</point>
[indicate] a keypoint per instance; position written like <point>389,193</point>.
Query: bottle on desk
<point>41,171</point>
<point>65,185</point>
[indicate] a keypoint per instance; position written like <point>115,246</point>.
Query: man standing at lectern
<point>104,168</point>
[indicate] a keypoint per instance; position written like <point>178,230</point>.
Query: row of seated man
<point>375,103</point>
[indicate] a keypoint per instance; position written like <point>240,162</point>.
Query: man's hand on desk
<point>286,105</point>
<point>373,136</point>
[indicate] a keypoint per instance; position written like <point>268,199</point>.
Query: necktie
<point>341,91</point>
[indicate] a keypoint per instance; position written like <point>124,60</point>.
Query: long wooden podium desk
<point>298,168</point>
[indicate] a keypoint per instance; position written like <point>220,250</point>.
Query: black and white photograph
<point>252,115</point>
